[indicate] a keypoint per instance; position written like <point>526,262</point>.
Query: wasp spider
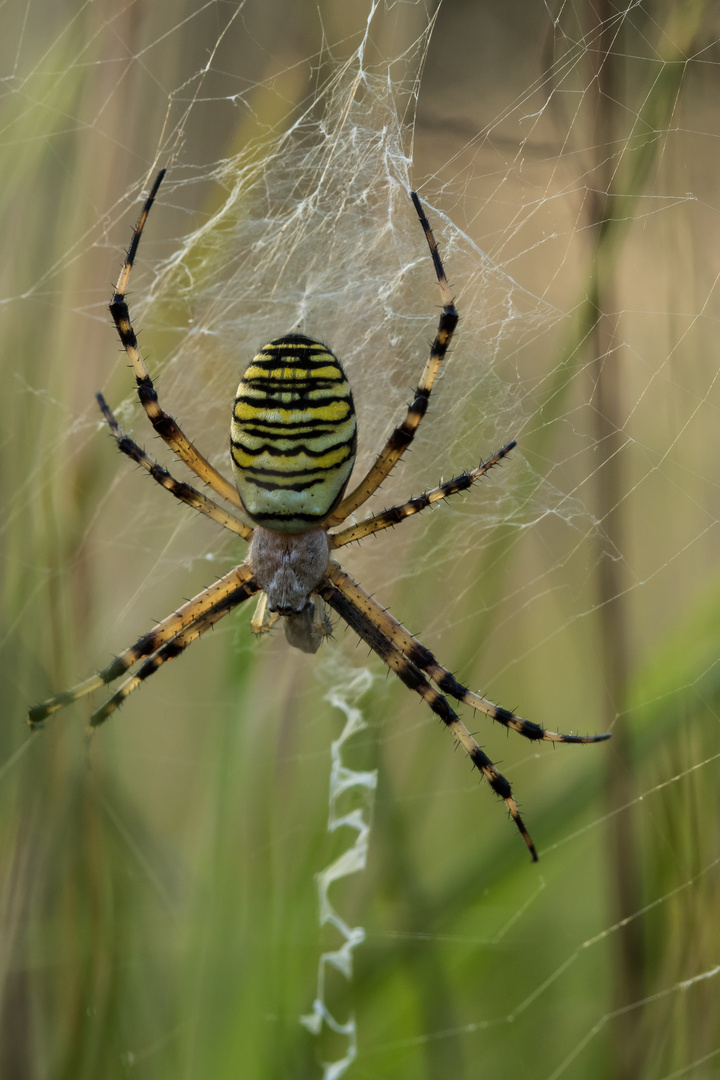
<point>293,440</point>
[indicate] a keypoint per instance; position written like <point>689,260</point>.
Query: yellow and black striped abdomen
<point>293,434</point>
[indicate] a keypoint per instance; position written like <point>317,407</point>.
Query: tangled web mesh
<point>314,232</point>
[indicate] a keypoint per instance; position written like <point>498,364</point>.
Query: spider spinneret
<point>293,443</point>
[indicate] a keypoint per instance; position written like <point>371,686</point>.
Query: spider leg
<point>163,423</point>
<point>184,492</point>
<point>350,605</point>
<point>396,514</point>
<point>263,619</point>
<point>231,589</point>
<point>403,435</point>
<point>175,646</point>
<point>419,655</point>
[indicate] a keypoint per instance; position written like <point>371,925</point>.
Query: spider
<point>293,442</point>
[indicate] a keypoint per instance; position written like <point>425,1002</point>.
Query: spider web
<point>565,156</point>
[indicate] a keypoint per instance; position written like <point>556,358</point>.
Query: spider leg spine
<point>364,624</point>
<point>148,643</point>
<point>176,645</point>
<point>165,426</point>
<point>212,597</point>
<point>432,244</point>
<point>396,514</point>
<point>186,493</point>
<point>420,655</point>
<point>404,433</point>
<point>39,713</point>
<point>137,233</point>
<point>530,730</point>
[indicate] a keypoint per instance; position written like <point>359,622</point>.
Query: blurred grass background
<point>159,908</point>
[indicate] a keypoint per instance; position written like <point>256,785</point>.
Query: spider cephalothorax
<point>293,438</point>
<point>288,567</point>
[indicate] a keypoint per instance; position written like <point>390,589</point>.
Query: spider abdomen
<point>293,434</point>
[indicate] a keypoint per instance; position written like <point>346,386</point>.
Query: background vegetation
<point>158,903</point>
